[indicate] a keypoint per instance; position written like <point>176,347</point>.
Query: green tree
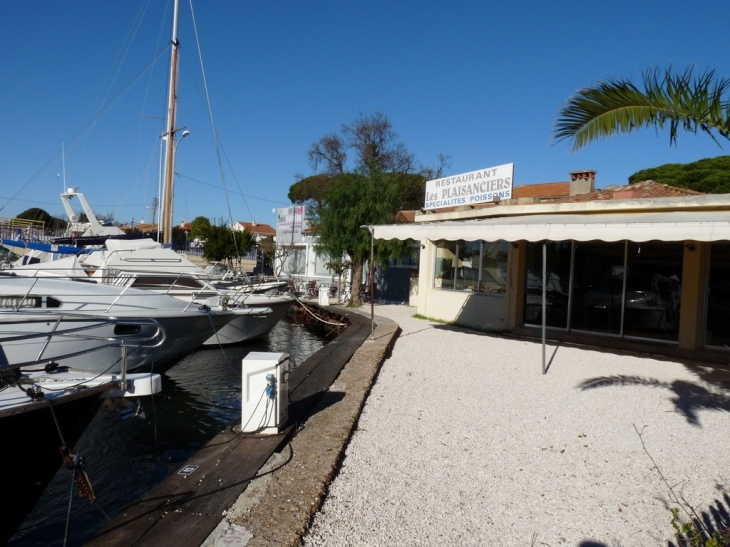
<point>179,237</point>
<point>709,175</point>
<point>218,245</point>
<point>222,244</point>
<point>693,103</point>
<point>350,202</point>
<point>384,178</point>
<point>310,190</point>
<point>49,222</point>
<point>374,144</point>
<point>410,192</point>
<point>199,227</point>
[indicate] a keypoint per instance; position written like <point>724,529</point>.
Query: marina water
<point>124,458</point>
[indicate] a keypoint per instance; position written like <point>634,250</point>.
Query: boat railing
<point>83,327</point>
<point>171,284</point>
<point>26,301</point>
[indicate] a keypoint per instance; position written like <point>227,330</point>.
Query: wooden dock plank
<point>136,520</point>
<point>301,372</point>
<point>189,522</point>
<point>320,376</point>
<point>181,530</point>
<point>226,465</point>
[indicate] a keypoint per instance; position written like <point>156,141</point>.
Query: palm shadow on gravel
<point>688,398</point>
<point>713,520</point>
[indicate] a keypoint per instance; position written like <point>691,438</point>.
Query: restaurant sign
<point>482,186</point>
<point>291,223</point>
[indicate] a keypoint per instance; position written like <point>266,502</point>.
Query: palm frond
<point>618,106</point>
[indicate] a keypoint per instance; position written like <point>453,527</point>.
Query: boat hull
<point>35,455</point>
<point>252,327</point>
<point>184,334</point>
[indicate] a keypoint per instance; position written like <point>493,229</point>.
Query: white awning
<point>669,226</point>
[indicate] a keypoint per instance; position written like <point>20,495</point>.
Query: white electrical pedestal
<point>324,296</point>
<point>265,400</point>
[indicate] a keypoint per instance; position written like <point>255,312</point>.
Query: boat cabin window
<point>28,301</point>
<point>165,282</point>
<point>126,330</point>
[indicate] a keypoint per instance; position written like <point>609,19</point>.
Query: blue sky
<point>481,82</point>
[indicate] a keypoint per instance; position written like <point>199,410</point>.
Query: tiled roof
<point>405,216</point>
<point>547,190</point>
<point>639,190</point>
<point>261,229</point>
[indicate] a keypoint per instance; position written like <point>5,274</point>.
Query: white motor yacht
<point>147,265</point>
<point>180,327</point>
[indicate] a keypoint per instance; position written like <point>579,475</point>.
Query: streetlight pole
<point>169,176</point>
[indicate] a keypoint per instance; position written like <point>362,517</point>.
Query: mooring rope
<point>310,312</point>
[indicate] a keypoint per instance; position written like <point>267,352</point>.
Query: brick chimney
<point>582,182</point>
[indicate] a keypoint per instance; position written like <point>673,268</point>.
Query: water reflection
<point>200,396</point>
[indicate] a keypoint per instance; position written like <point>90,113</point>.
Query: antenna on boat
<point>63,164</point>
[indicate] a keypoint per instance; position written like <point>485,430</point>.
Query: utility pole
<point>154,210</point>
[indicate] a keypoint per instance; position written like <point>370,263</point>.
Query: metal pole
<point>544,301</point>
<point>371,229</point>
<point>372,283</point>
<point>623,288</point>
<point>170,133</point>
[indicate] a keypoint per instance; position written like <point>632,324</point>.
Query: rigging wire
<point>153,153</point>
<point>70,503</point>
<point>212,125</point>
<point>122,53</point>
<point>76,137</point>
<point>198,181</point>
<point>230,167</point>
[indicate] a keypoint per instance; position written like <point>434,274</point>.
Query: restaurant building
<point>643,267</point>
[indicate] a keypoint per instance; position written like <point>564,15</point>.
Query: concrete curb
<point>277,507</point>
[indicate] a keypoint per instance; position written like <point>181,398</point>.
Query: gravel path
<point>464,442</point>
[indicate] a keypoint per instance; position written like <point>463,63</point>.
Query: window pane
<point>718,299</point>
<point>471,265</point>
<point>558,282</point>
<point>468,265</point>
<point>445,264</point>
<point>319,265</point>
<point>597,286</point>
<point>493,274</point>
<point>653,290</point>
<point>294,262</point>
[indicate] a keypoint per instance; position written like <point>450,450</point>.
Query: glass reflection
<point>653,290</point>
<point>652,280</point>
<point>557,281</point>
<point>468,265</point>
<point>477,266</point>
<point>718,299</point>
<point>598,285</point>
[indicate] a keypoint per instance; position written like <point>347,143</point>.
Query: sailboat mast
<point>170,134</point>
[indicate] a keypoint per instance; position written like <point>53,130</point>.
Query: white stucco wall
<point>483,311</point>
<point>486,311</point>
